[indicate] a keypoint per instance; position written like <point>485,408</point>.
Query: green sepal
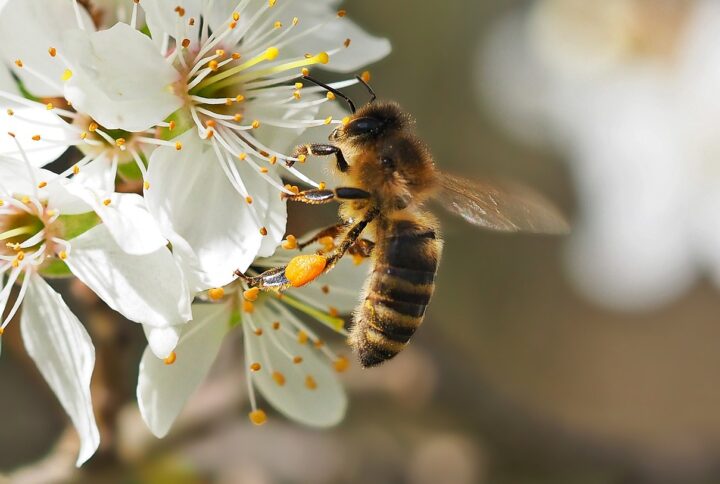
<point>74,225</point>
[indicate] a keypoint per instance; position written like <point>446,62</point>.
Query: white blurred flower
<point>286,362</point>
<point>628,90</point>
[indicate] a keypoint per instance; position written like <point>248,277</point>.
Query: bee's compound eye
<point>387,162</point>
<point>362,126</point>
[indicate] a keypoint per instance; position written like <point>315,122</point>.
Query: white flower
<point>286,361</point>
<point>628,90</point>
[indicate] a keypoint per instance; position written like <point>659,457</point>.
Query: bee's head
<point>371,122</point>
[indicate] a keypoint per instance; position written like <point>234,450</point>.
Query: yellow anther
<point>170,358</point>
<point>323,57</point>
<point>216,293</point>
<point>251,294</point>
<point>180,11</point>
<point>236,56</point>
<point>302,337</point>
<point>171,125</point>
<point>357,259</point>
<point>333,311</point>
<point>277,25</point>
<point>1,331</point>
<point>345,120</point>
<point>242,156</point>
<point>263,170</point>
<point>220,53</point>
<point>341,364</point>
<point>292,188</point>
<point>239,98</point>
<point>52,51</point>
<point>305,71</point>
<point>211,123</point>
<point>76,170</point>
<point>235,16</point>
<point>25,199</point>
<point>290,243</point>
<point>36,137</point>
<point>310,383</point>
<point>297,95</point>
<point>297,360</point>
<point>15,263</point>
<point>49,106</point>
<point>213,65</point>
<point>276,325</point>
<point>191,21</point>
<point>279,378</point>
<point>255,367</point>
<point>341,13</point>
<point>328,120</point>
<point>295,21</point>
<point>271,53</point>
<point>248,306</point>
<point>298,85</point>
<point>66,75</point>
<point>21,255</point>
<point>63,255</point>
<point>10,112</point>
<point>93,126</point>
<point>42,184</point>
<point>11,134</point>
<point>19,63</point>
<point>146,185</point>
<point>209,134</point>
<point>318,343</point>
<point>273,159</point>
<point>249,200</point>
<point>302,158</point>
<point>271,3</point>
<point>255,124</point>
<point>263,231</point>
<point>185,43</point>
<point>258,331</point>
<point>107,202</point>
<point>347,43</point>
<point>304,269</point>
<point>325,289</point>
<point>365,76</point>
<point>322,186</point>
<point>178,145</point>
<point>237,117</point>
<point>83,135</point>
<point>120,142</point>
<point>330,96</point>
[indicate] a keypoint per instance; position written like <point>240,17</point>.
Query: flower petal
<point>192,199</point>
<point>27,29</point>
<point>64,354</point>
<point>163,18</point>
<point>322,406</point>
<point>162,341</point>
<point>27,122</point>
<point>163,389</point>
<point>144,288</point>
<point>119,78</point>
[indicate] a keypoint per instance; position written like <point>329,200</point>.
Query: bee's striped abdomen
<point>398,291</point>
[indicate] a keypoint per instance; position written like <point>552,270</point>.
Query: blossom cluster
<point>181,114</point>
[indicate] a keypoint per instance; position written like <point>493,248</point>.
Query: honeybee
<point>389,175</point>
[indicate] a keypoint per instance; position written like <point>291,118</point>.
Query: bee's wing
<point>502,207</point>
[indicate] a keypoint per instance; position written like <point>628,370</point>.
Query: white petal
<point>162,19</point>
<point>119,78</point>
<point>126,218</point>
<point>192,198</point>
<point>28,122</point>
<point>8,84</point>
<point>322,407</point>
<point>162,341</point>
<point>144,288</point>
<point>163,389</point>
<point>64,354</point>
<point>27,29</point>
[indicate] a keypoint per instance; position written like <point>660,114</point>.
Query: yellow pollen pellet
<point>49,106</point>
<point>235,16</point>
<point>341,13</point>
<point>277,25</point>
<point>365,76</point>
<point>357,259</point>
<point>185,43</point>
<point>92,127</point>
<point>170,358</point>
<point>76,170</point>
<point>304,269</point>
<point>67,74</point>
<point>242,156</point>
<point>328,120</point>
<point>237,117</point>
<point>276,325</point>
<point>248,306</point>
<point>146,185</point>
<point>279,378</point>
<point>216,293</point>
<point>213,65</point>
<point>178,145</point>
<point>107,202</point>
<point>302,337</point>
<point>249,200</point>
<point>347,43</point>
<point>10,112</point>
<point>52,51</point>
<point>263,170</point>
<point>325,289</point>
<point>36,137</point>
<point>42,184</point>
<point>263,231</point>
<point>19,63</point>
<point>330,96</point>
<point>255,367</point>
<point>171,125</point>
<point>239,98</point>
<point>63,255</point>
<point>251,294</point>
<point>290,243</point>
<point>310,383</point>
<point>258,417</point>
<point>297,360</point>
<point>341,364</point>
<point>258,331</point>
<point>256,124</point>
<point>302,158</point>
<point>305,71</point>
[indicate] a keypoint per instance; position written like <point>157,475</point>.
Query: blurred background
<point>590,358</point>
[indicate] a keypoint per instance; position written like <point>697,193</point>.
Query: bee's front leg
<point>321,150</point>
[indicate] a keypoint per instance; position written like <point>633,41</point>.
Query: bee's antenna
<point>373,96</point>
<point>332,90</point>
